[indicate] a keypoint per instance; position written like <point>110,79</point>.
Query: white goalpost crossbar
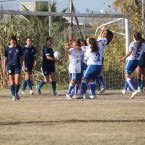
<point>119,16</point>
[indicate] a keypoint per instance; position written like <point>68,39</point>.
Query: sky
<point>80,5</point>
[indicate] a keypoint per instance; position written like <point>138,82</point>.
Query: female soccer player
<point>29,53</point>
<point>48,66</point>
<point>136,49</point>
<point>12,63</point>
<point>75,55</point>
<point>103,40</point>
<point>94,67</point>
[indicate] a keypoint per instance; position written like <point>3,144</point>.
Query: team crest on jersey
<point>9,71</point>
<point>17,50</point>
<point>10,51</point>
<point>45,72</point>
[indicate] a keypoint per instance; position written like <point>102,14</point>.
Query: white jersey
<point>75,60</point>
<point>102,43</point>
<point>137,50</point>
<point>93,58</point>
<point>84,49</point>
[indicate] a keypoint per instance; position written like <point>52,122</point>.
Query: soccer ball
<point>57,55</point>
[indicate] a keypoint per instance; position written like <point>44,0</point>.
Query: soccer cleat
<point>54,94</point>
<point>133,94</point>
<point>38,90</point>
<point>123,91</point>
<point>102,90</point>
<point>17,97</point>
<point>68,96</point>
<point>92,96</point>
<point>23,92</point>
<point>31,92</point>
<point>13,99</point>
<point>74,97</point>
<point>139,90</point>
<point>82,97</point>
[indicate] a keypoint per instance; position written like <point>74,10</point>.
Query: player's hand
<point>58,61</point>
<point>121,60</point>
<point>35,63</point>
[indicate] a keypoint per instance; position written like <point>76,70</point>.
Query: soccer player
<point>136,49</point>
<point>75,55</point>
<point>140,70</point>
<point>29,54</point>
<point>12,63</point>
<point>103,40</point>
<point>94,67</point>
<point>48,66</point>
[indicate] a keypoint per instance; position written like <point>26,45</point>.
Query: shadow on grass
<point>71,121</point>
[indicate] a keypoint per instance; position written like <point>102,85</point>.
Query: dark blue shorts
<point>130,66</point>
<point>28,68</point>
<point>92,71</point>
<point>75,76</point>
<point>47,71</point>
<point>13,70</point>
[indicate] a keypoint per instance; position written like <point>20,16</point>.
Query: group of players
<point>85,58</point>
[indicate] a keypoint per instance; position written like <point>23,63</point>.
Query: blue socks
<point>83,88</point>
<point>53,83</point>
<point>92,86</point>
<point>24,85</point>
<point>130,84</point>
<point>17,88</point>
<point>12,88</point>
<point>29,84</point>
<point>70,89</point>
<point>76,89</point>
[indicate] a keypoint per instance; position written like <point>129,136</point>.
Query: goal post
<point>24,23</point>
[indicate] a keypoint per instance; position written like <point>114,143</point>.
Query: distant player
<point>75,55</point>
<point>48,66</point>
<point>29,61</point>
<point>136,49</point>
<point>103,40</point>
<point>94,67</point>
<point>13,55</point>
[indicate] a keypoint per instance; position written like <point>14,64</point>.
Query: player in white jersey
<point>84,48</point>
<point>75,55</point>
<point>94,67</point>
<point>136,49</point>
<point>103,40</point>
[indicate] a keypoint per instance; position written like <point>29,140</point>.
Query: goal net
<point>61,27</point>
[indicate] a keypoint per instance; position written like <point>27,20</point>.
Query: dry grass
<point>111,119</point>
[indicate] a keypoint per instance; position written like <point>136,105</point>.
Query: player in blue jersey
<point>48,66</point>
<point>133,56</point>
<point>94,67</point>
<point>103,40</point>
<point>75,56</point>
<point>29,54</point>
<point>12,63</point>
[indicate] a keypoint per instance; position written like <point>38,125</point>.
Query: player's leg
<point>70,90</point>
<point>45,74</point>
<point>17,85</point>
<point>139,72</point>
<point>92,85</point>
<point>12,86</point>
<point>10,73</point>
<point>53,83</point>
<point>101,83</point>
<point>77,82</point>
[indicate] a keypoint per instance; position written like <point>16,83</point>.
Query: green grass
<point>111,119</point>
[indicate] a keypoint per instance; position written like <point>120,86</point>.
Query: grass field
<point>111,119</point>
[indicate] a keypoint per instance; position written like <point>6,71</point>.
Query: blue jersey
<point>29,53</point>
<point>46,62</point>
<point>13,55</point>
